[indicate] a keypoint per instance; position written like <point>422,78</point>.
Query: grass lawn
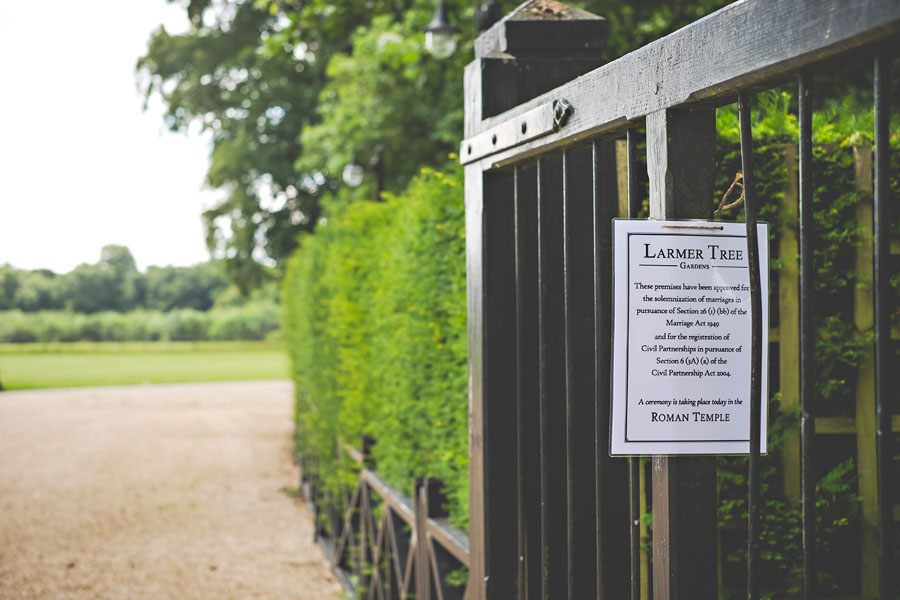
<point>31,366</point>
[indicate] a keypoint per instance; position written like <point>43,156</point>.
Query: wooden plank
<point>684,487</point>
<point>528,409</point>
<point>835,425</point>
<point>401,504</point>
<point>551,323</point>
<point>612,479</point>
<point>581,402</point>
<point>680,179</point>
<point>843,425</point>
<point>499,407</point>
<point>864,319</point>
<point>743,44</point>
<point>453,540</point>
<point>474,193</point>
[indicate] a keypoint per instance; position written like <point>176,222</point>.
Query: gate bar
<point>635,470</point>
<point>807,341</point>
<point>883,409</point>
<point>756,391</point>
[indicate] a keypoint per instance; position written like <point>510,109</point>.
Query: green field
<point>32,366</point>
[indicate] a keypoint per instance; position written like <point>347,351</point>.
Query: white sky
<point>81,164</point>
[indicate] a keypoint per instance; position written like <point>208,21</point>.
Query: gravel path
<point>163,491</point>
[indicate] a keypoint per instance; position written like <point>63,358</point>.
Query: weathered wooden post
<point>681,166</point>
<point>521,436</point>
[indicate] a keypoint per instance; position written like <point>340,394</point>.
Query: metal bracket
<point>545,119</point>
<point>561,112</point>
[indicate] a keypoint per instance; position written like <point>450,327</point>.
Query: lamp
<point>353,172</point>
<point>440,35</point>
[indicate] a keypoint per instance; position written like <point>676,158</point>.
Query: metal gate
<point>551,153</point>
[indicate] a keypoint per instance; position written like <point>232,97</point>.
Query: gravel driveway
<point>163,491</point>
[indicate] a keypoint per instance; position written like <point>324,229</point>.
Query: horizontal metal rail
<point>731,50</point>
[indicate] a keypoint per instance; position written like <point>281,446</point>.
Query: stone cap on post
<point>545,27</point>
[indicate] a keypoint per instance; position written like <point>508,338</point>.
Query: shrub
<point>374,315</point>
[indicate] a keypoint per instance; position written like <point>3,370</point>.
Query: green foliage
<point>289,90</point>
<point>837,508</point>
<point>196,287</point>
<point>252,321</point>
<point>837,129</point>
<point>374,316</point>
<point>388,92</point>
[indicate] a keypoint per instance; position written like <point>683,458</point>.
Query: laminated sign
<point>681,338</point>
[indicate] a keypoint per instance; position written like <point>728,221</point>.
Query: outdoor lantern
<point>353,173</point>
<point>440,35</point>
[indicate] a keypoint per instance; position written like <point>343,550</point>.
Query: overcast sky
<point>81,164</point>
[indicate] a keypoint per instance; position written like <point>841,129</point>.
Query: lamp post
<point>377,165</point>
<point>440,35</point>
<point>354,173</point>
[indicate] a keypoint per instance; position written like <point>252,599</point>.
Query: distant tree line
<point>114,283</point>
<point>112,301</point>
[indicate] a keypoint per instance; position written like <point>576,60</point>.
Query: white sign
<point>681,338</point>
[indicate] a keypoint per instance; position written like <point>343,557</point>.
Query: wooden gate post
<point>541,45</point>
<point>681,166</point>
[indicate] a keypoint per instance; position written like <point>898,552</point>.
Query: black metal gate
<point>551,514</point>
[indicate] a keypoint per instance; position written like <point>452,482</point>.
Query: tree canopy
<point>290,91</point>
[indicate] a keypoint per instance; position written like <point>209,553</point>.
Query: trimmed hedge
<point>374,316</point>
<point>253,321</point>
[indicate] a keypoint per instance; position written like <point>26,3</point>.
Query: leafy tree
<point>39,290</point>
<point>290,90</point>
<point>195,287</point>
<point>111,284</point>
<point>254,99</point>
<point>9,285</point>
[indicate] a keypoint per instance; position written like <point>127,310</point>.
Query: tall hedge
<point>374,316</point>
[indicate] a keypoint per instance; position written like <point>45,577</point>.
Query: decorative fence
<point>384,545</point>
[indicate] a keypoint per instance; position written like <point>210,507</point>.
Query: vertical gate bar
<point>883,412</point>
<point>490,281</point>
<point>611,478</point>
<point>681,167</point>
<point>500,385</point>
<point>552,379</point>
<point>581,401</point>
<point>528,410</point>
<point>475,276</point>
<point>634,474</point>
<point>807,341</point>
<point>634,499</point>
<point>751,210</point>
